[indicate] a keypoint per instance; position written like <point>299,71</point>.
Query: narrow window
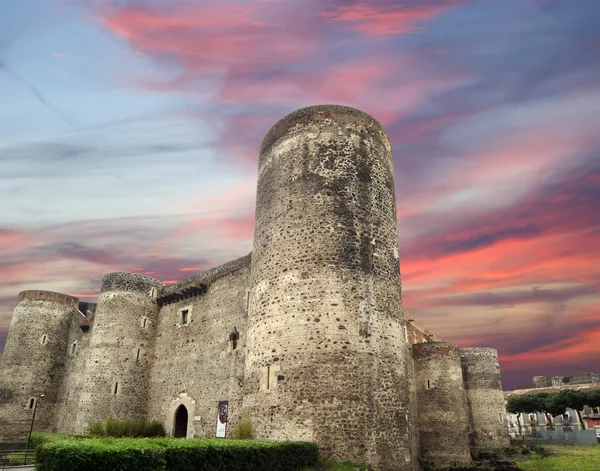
<point>428,385</point>
<point>247,299</point>
<point>73,348</point>
<point>31,404</point>
<point>144,322</point>
<point>500,416</point>
<point>44,339</point>
<point>184,316</point>
<point>138,354</point>
<point>153,292</point>
<point>268,375</point>
<point>116,388</point>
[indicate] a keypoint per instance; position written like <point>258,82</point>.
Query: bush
<point>40,437</point>
<point>161,454</point>
<point>126,428</point>
<point>243,429</point>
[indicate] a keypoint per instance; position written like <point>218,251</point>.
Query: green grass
<point>568,458</point>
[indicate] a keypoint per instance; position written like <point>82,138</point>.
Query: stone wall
<point>416,332</point>
<point>196,365</point>
<point>443,420</point>
<point>481,375</point>
<point>75,369</point>
<point>327,358</point>
<point>33,362</point>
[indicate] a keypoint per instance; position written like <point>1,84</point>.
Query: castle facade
<point>307,333</point>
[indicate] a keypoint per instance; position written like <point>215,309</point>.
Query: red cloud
<point>394,18</point>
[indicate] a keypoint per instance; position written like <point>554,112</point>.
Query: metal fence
<point>15,459</point>
<point>561,436</point>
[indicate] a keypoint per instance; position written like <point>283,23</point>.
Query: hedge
<point>41,437</point>
<point>162,454</point>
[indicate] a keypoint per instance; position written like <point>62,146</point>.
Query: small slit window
<point>31,403</point>
<point>116,388</point>
<point>144,322</point>
<point>137,356</point>
<point>428,384</point>
<point>44,340</point>
<point>73,348</point>
<point>153,292</point>
<point>185,317</point>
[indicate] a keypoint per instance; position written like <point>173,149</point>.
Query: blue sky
<point>129,133</point>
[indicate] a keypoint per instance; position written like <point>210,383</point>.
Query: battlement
<point>208,277</point>
<point>50,296</point>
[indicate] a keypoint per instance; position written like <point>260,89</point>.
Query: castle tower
<point>120,350</point>
<point>487,411</point>
<point>443,420</point>
<point>327,359</point>
<point>33,361</point>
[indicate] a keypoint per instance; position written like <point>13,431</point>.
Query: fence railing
<point>15,459</point>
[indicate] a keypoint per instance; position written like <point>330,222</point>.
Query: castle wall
<point>417,332</point>
<point>74,375</point>
<point>33,362</point>
<point>120,350</point>
<point>443,421</point>
<point>487,411</point>
<point>196,365</point>
<point>327,358</point>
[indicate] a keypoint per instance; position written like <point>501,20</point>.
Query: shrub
<point>40,437</point>
<point>128,428</point>
<point>243,429</point>
<point>161,454</point>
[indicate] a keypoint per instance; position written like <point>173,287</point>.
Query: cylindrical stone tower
<point>33,362</point>
<point>327,359</point>
<point>120,350</point>
<point>487,411</point>
<point>443,419</point>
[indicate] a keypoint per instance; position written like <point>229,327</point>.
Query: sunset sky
<point>129,133</point>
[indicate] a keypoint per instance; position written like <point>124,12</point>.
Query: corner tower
<point>326,357</point>
<point>120,350</point>
<point>33,361</point>
<point>483,385</point>
<point>443,420</point>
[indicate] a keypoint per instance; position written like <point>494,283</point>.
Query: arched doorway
<point>181,422</point>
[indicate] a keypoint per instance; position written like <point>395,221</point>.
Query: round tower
<point>33,361</point>
<point>487,411</point>
<point>443,420</point>
<point>120,350</point>
<point>327,359</point>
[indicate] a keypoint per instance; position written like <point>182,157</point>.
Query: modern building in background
<point>307,333</point>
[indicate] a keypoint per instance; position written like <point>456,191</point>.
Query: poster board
<point>222,413</point>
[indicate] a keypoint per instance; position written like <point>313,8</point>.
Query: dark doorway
<point>181,421</point>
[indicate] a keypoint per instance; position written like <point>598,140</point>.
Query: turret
<point>487,411</point>
<point>33,362</point>
<point>327,359</point>
<point>120,350</point>
<point>443,420</point>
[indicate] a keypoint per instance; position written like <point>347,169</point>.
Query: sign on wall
<point>223,410</point>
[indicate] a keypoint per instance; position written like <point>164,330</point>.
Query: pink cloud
<point>383,18</point>
<point>60,54</point>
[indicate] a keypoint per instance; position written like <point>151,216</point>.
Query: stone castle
<point>307,333</point>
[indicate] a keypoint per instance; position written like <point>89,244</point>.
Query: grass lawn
<point>568,458</point>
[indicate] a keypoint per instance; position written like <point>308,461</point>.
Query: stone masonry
<point>307,333</point>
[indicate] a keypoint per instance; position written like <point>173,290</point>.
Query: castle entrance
<point>181,422</point>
